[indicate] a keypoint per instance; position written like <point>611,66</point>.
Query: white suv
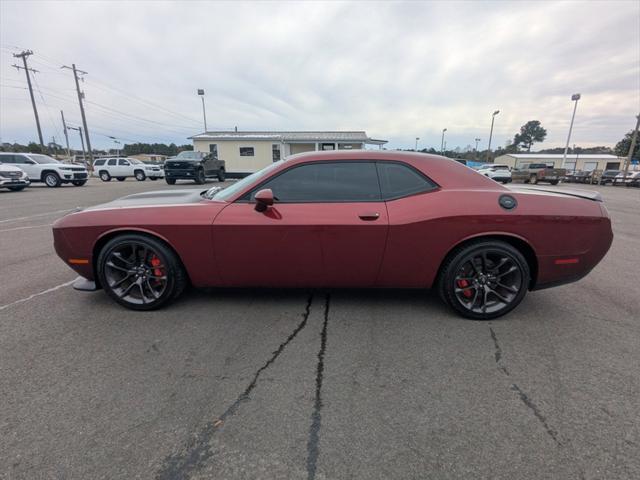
<point>497,172</point>
<point>13,178</point>
<point>121,168</point>
<point>43,168</point>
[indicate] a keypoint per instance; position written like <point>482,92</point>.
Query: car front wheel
<point>140,272</point>
<point>170,181</point>
<point>140,176</point>
<point>200,177</point>
<point>221,175</point>
<point>52,180</point>
<point>484,280</point>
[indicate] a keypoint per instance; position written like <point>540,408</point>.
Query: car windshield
<point>134,161</point>
<point>42,158</point>
<point>216,193</point>
<point>189,155</point>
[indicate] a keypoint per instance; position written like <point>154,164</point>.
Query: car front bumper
<point>180,173</point>
<point>14,182</point>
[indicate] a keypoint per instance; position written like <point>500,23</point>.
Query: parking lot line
<point>34,295</point>
<point>25,228</point>
<point>17,219</point>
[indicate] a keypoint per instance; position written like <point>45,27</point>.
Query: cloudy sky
<point>398,70</point>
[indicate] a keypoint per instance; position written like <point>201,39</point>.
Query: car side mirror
<point>264,199</point>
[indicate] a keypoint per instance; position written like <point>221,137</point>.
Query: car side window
<point>111,162</point>
<point>123,162</point>
<point>97,163</point>
<point>328,182</point>
<point>398,180</point>
<point>9,159</point>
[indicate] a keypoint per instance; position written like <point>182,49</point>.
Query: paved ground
<point>295,384</point>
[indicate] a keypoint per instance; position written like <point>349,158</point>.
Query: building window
<point>275,152</point>
<point>246,152</point>
<point>213,150</point>
<point>328,146</point>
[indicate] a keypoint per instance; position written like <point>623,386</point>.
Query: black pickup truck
<point>196,166</point>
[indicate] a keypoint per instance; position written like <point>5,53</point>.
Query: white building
<point>247,152</point>
<point>574,162</point>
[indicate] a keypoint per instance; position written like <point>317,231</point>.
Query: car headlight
<point>65,168</point>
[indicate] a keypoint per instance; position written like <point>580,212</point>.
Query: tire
<point>200,177</point>
<point>52,180</point>
<point>17,189</point>
<point>104,176</point>
<point>170,181</point>
<point>221,175</point>
<point>554,182</point>
<point>533,179</point>
<point>153,178</point>
<point>487,299</point>
<point>140,176</point>
<point>79,183</point>
<point>121,179</point>
<point>128,273</point>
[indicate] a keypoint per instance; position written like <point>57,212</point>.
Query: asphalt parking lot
<point>311,384</point>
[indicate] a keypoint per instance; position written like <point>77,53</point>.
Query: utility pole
<point>66,135</point>
<point>574,98</point>
<point>26,69</point>
<point>80,97</point>
<point>493,117</point>
<point>84,155</point>
<point>634,138</point>
<point>442,142</point>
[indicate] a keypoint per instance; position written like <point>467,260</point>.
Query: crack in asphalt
<point>313,444</point>
<point>180,465</point>
<point>521,394</point>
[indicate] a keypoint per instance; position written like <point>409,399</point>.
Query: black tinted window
<point>111,162</point>
<point>398,180</point>
<point>98,163</point>
<point>326,182</point>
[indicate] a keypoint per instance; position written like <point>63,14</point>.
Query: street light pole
<point>416,149</point>
<point>204,113</point>
<point>442,141</point>
<point>493,117</point>
<point>575,97</point>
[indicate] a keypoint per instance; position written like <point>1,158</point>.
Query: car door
<point>327,228</point>
<point>29,166</point>
<point>124,168</point>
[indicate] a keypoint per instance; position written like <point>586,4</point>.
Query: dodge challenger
<point>342,219</point>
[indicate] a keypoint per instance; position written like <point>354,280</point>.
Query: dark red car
<point>342,219</point>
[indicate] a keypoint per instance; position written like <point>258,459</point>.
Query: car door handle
<point>369,216</point>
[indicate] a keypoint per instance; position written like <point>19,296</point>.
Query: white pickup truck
<point>43,168</point>
<point>121,168</point>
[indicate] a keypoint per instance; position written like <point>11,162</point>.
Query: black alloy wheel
<point>140,272</point>
<point>484,280</point>
<point>200,177</point>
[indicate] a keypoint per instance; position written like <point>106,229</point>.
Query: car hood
<point>153,199</point>
<point>9,168</point>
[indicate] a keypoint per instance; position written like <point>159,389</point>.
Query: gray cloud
<point>397,70</point>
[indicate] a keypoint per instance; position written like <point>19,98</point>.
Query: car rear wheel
<point>200,177</point>
<point>533,179</point>
<point>484,280</point>
<point>52,180</point>
<point>153,178</point>
<point>140,176</point>
<point>104,176</point>
<point>79,183</point>
<point>121,179</point>
<point>140,272</point>
<point>170,181</point>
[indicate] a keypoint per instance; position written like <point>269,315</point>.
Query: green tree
<point>622,147</point>
<point>34,147</point>
<point>530,133</point>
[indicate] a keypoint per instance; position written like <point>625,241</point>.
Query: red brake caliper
<point>463,284</point>
<point>155,262</point>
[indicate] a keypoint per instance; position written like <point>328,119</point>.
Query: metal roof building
<point>574,162</point>
<point>249,151</point>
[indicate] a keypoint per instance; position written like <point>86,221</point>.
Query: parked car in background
<point>632,178</point>
<point>121,168</point>
<point>538,172</point>
<point>196,166</point>
<point>43,168</point>
<point>580,176</point>
<point>498,172</point>
<point>13,178</point>
<point>608,176</point>
<point>341,219</point>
